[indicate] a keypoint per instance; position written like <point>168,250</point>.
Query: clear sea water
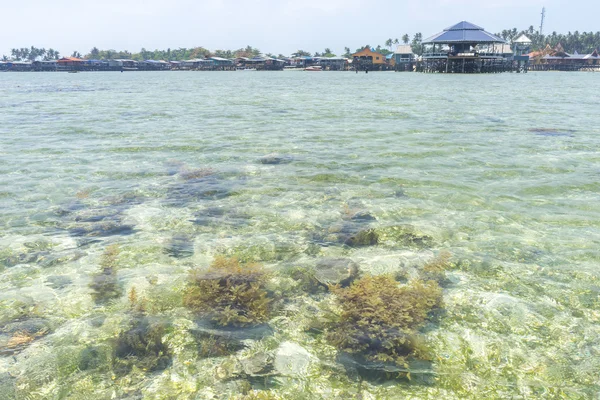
<point>501,170</point>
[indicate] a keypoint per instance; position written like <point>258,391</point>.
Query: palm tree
<point>4,58</point>
<point>76,54</point>
<point>94,53</point>
<point>301,53</point>
<point>405,38</point>
<point>347,52</point>
<point>388,43</point>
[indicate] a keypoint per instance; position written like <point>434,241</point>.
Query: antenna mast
<point>542,23</point>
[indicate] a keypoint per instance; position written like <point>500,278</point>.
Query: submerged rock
<point>58,281</point>
<point>363,216</point>
<point>216,341</point>
<point>209,215</point>
<point>7,386</point>
<point>17,335</point>
<point>180,246</point>
<point>552,132</point>
<point>220,216</point>
<point>23,258</point>
<point>405,235</point>
<point>291,359</point>
<point>205,327</point>
<point>363,238</point>
<point>260,364</point>
<point>274,159</point>
<point>103,220</point>
<point>355,232</point>
<point>336,271</point>
<point>358,367</point>
<point>174,166</point>
<point>93,357</point>
<point>205,188</point>
<point>70,208</point>
<point>103,229</point>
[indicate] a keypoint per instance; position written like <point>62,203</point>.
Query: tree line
<point>181,54</point>
<point>571,42</point>
<point>585,42</point>
<point>32,54</point>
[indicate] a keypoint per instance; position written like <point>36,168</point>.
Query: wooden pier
<point>473,64</point>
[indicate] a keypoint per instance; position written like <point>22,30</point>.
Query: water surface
<point>501,170</point>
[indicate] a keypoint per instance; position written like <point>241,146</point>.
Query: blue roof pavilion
<point>464,32</point>
<point>466,48</point>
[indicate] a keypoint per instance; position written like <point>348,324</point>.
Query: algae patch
<point>380,319</point>
<point>230,293</point>
<point>105,285</point>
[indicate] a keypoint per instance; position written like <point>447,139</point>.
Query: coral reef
<point>230,293</point>
<point>379,319</point>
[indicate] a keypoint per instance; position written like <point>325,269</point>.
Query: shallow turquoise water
<point>501,170</point>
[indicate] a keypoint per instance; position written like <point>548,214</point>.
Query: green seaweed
<point>379,319</point>
<point>142,346</point>
<point>105,285</point>
<point>230,293</point>
<point>435,270</point>
<point>306,280</point>
<point>363,238</point>
<point>404,235</point>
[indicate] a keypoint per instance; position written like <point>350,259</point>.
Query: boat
<point>73,72</point>
<point>314,68</point>
<point>292,68</point>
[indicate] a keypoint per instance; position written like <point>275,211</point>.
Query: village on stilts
<point>461,48</point>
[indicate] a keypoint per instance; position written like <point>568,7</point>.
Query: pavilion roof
<point>69,59</point>
<point>522,39</point>
<point>404,49</point>
<point>463,32</point>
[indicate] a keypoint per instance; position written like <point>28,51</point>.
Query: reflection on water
<point>229,235</point>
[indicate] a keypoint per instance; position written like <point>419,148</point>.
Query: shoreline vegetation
<point>573,42</point>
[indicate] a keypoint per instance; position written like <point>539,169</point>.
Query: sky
<point>273,26</point>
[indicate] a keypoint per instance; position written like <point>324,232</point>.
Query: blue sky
<point>275,26</point>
